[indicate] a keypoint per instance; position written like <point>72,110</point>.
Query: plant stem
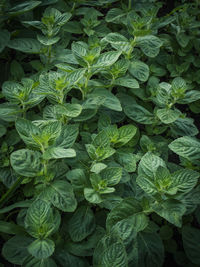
<point>133,42</point>
<point>49,54</point>
<point>10,191</point>
<point>129,4</point>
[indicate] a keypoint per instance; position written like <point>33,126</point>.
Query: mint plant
<point>99,128</point>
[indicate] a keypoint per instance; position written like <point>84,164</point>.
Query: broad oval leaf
<point>191,237</point>
<point>41,249</point>
<point>26,162</point>
<point>60,194</point>
<point>81,224</point>
<point>15,249</point>
<point>187,147</point>
<point>139,70</point>
<point>109,252</point>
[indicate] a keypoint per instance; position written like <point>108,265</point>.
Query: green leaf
<point>110,100</point>
<point>127,160</point>
<point>187,147</point>
<point>60,194</point>
<point>109,252</point>
<point>112,175</point>
<point>20,204</point>
<point>127,211</point>
<point>40,221</point>
<point>68,136</point>
<point>99,153</point>
<point>149,164</point>
<point>92,196</point>
<point>107,59</point>
<point>23,7</point>
<point>126,133</point>
<point>184,127</point>
<point>69,110</point>
<point>26,45</point>
<point>139,114</point>
<point>190,96</point>
<point>139,70</point>
<point>117,41</point>
<point>81,224</point>
<point>45,40</point>
<point>28,132</point>
<point>168,115</point>
<point>191,237</point>
<point>2,130</point>
<point>146,184</point>
<point>9,112</point>
<point>149,250</point>
<point>184,180</point>
<point>64,258</point>
<point>115,15</point>
<point>63,19</point>
<point>10,228</point>
<point>33,262</point>
<point>149,44</point>
<point>26,162</point>
<point>15,249</point>
<point>183,39</point>
<point>172,210</point>
<point>58,153</point>
<point>16,70</point>
<point>179,85</point>
<point>77,178</point>
<point>127,82</point>
<point>41,249</point>
<point>97,167</point>
<point>101,140</point>
<point>4,39</point>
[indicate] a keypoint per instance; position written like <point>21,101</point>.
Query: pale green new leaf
<point>58,153</point>
<point>92,196</point>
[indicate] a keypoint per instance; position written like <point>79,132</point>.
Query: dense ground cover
<point>99,128</point>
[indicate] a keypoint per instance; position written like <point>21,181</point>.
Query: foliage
<point>100,148</point>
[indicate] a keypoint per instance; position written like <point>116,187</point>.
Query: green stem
<point>111,84</point>
<point>73,7</point>
<point>10,191</point>
<point>49,54</point>
<point>129,4</point>
<point>133,42</point>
